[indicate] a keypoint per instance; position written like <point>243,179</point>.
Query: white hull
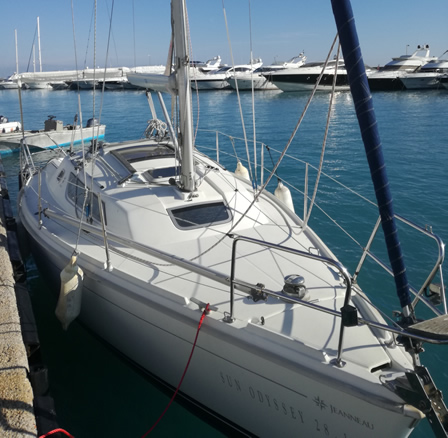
<point>422,81</point>
<point>8,85</point>
<point>38,85</point>
<point>209,84</point>
<point>59,85</point>
<point>292,388</point>
<point>295,86</point>
<point>271,370</point>
<point>257,83</point>
<point>218,80</point>
<point>49,139</point>
<point>428,77</point>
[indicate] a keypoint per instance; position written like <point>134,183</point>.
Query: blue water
<point>96,392</point>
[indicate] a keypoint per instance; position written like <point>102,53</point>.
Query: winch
<point>295,287</point>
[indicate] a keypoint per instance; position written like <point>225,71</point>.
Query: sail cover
<point>372,143</point>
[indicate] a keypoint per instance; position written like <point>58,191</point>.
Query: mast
<point>19,83</point>
<point>182,68</point>
<point>17,53</point>
<point>38,44</point>
<point>369,131</point>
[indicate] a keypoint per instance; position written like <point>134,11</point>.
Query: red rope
<point>206,310</point>
<point>57,431</point>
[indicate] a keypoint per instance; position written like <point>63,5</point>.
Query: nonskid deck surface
<point>145,212</point>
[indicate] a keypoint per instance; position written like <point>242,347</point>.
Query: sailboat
<point>161,241</point>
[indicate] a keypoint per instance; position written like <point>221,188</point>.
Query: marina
<point>169,235</point>
<point>100,410</point>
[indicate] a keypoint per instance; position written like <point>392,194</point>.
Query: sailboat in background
<point>31,80</point>
<point>165,237</point>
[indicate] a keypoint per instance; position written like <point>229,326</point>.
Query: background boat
<point>304,77</point>
<point>387,78</point>
<point>428,76</point>
<point>258,79</point>
<point>53,135</point>
<point>217,79</point>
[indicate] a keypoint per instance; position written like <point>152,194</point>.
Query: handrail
<point>336,264</point>
<point>440,259</point>
<point>418,294</point>
<point>245,286</point>
<point>437,266</point>
<point>342,271</point>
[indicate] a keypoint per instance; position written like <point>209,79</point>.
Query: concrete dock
<point>26,409</point>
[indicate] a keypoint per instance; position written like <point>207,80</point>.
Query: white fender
<point>69,303</point>
<point>283,194</point>
<point>242,171</point>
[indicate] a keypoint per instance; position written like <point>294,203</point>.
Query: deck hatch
<point>200,215</point>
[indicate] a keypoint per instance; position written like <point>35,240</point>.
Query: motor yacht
<point>305,77</point>
<point>387,78</point>
<point>218,79</point>
<point>257,80</point>
<point>428,76</point>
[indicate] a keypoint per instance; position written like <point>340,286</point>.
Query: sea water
<point>96,392</point>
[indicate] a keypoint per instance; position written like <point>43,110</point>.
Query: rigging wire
<point>288,144</point>
<point>255,181</point>
<point>104,77</point>
<point>94,61</point>
<point>80,118</point>
<point>238,92</point>
<point>88,37</point>
<point>330,107</point>
<point>111,33</point>
<point>32,50</point>
<point>194,70</point>
<point>133,34</point>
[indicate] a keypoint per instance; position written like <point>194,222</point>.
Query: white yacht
<point>428,76</point>
<point>218,79</point>
<point>305,77</point>
<point>212,64</point>
<point>205,279</point>
<point>10,83</point>
<point>7,127</point>
<point>257,79</point>
<point>387,78</point>
<point>36,85</point>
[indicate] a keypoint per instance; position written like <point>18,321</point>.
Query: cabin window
<point>143,153</point>
<point>164,172</point>
<point>200,215</point>
<point>76,193</point>
<point>61,175</point>
<point>75,190</point>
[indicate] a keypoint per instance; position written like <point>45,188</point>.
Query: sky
<point>275,30</point>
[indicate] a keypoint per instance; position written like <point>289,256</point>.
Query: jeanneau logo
<point>350,417</point>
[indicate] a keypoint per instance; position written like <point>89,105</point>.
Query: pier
<point>26,409</point>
